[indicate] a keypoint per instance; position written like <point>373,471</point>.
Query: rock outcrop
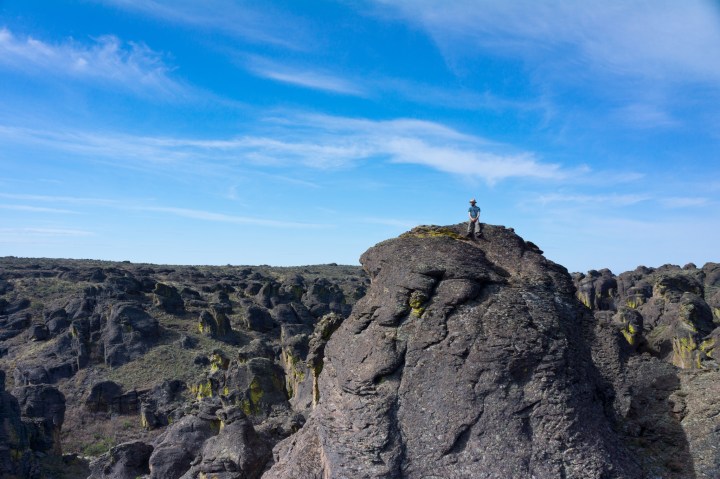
<point>669,312</point>
<point>464,359</point>
<point>31,420</point>
<point>656,331</point>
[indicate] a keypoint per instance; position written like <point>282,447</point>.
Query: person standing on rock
<point>474,219</point>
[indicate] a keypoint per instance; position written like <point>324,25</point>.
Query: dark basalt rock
<point>43,411</point>
<point>256,318</point>
<point>38,332</point>
<point>257,385</point>
<point>236,452</point>
<point>167,298</point>
<point>14,440</point>
<point>670,312</point>
<point>129,460</point>
<point>323,297</point>
<point>178,446</point>
<point>16,306</point>
<point>465,359</point>
<point>5,287</point>
<point>129,333</point>
<point>161,403</point>
<point>103,395</point>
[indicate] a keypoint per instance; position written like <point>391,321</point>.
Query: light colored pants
<point>477,226</point>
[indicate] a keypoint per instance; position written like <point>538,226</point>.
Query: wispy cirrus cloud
<point>8,233</point>
<point>663,40</point>
<point>684,202</point>
<point>61,199</point>
<point>643,115</point>
<point>36,209</point>
<point>138,206</point>
<point>225,218</point>
<point>304,77</point>
<point>237,19</point>
<point>106,61</point>
<point>641,64</point>
<point>309,141</point>
<point>602,200</point>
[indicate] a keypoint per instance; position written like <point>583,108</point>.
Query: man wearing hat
<point>474,216</point>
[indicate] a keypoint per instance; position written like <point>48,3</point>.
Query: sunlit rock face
<point>467,358</point>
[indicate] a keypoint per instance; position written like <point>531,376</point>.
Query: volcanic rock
<point>167,298</point>
<point>125,461</point>
<point>465,359</point>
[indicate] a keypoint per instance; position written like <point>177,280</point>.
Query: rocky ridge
<point>137,353</point>
<point>448,357</point>
<point>483,359</point>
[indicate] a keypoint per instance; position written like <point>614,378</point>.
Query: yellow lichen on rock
<point>218,362</point>
<point>433,232</point>
<point>635,301</point>
<point>630,334</point>
<point>685,353</point>
<point>417,303</point>
<point>584,299</point>
<point>202,390</point>
<point>708,347</point>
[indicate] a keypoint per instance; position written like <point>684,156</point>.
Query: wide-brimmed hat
<point>473,201</point>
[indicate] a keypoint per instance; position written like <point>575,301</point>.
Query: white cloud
<point>23,232</point>
<point>60,199</point>
<point>642,115</point>
<point>662,40</point>
<point>236,19</point>
<point>303,77</point>
<point>309,141</point>
<point>223,218</point>
<point>107,61</point>
<point>684,202</point>
<point>136,205</point>
<point>601,200</point>
<point>36,209</point>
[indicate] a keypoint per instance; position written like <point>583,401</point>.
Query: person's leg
<point>469,228</point>
<point>477,227</point>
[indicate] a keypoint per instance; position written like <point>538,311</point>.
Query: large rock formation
<point>465,359</point>
<point>31,420</point>
<point>673,313</point>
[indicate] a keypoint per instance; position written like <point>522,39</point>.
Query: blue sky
<point>293,132</point>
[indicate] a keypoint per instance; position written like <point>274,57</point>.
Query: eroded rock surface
<point>465,359</point>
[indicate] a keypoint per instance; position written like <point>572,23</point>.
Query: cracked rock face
<point>465,359</point>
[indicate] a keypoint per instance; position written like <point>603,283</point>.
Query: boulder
<point>129,460</point>
<point>38,332</point>
<point>176,449</point>
<point>103,396</point>
<point>236,452</point>
<point>257,318</point>
<point>215,324</point>
<point>323,297</point>
<point>597,289</point>
<point>167,298</point>
<point>43,410</point>
<point>257,385</point>
<point>129,333</point>
<point>161,402</point>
